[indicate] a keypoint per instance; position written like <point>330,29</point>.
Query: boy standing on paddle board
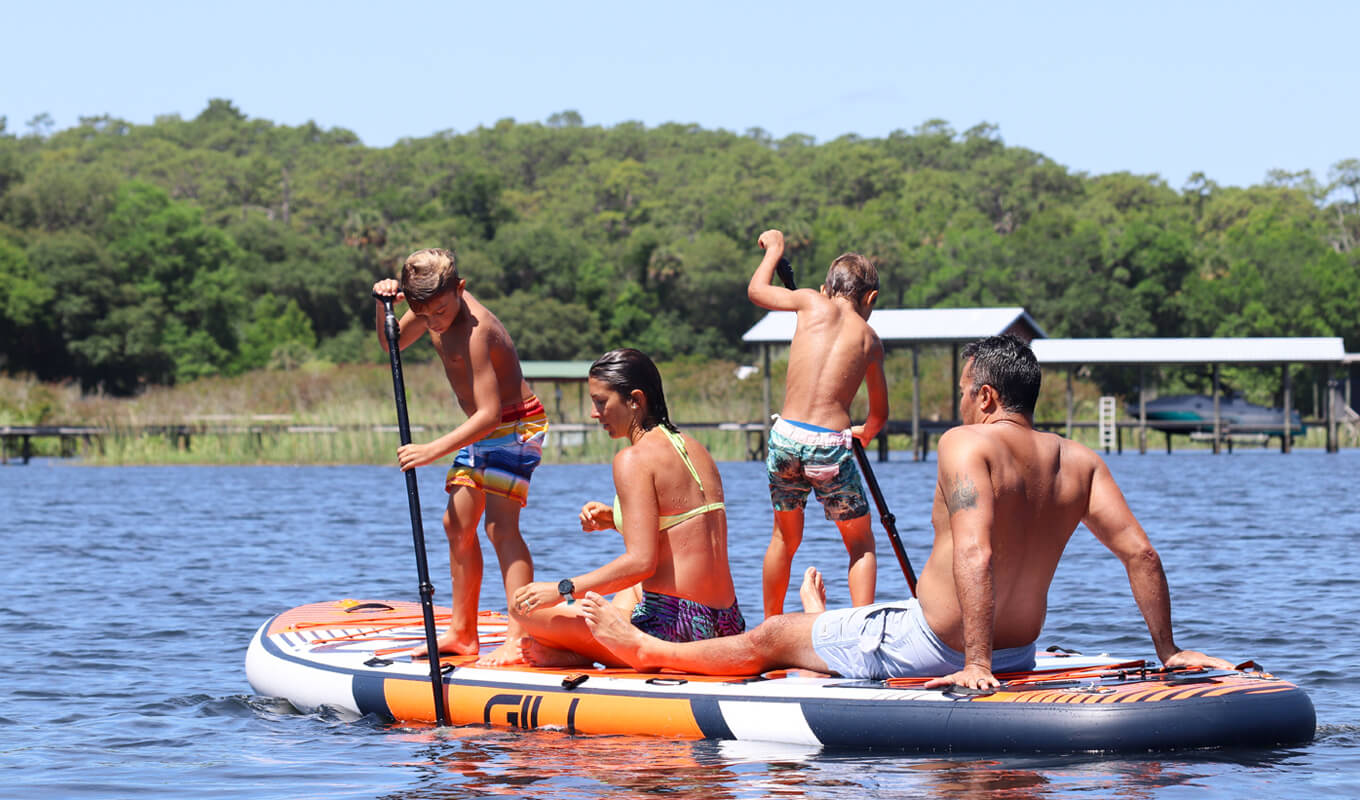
<point>833,351</point>
<point>497,447</point>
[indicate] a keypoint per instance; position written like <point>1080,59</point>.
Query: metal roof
<point>934,325</point>
<point>1281,350</point>
<point>555,370</point>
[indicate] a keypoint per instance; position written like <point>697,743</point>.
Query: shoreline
<point>342,414</point>
<point>900,454</point>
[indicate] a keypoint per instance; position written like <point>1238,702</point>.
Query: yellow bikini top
<point>669,521</point>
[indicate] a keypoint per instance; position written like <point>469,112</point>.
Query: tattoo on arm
<point>963,495</point>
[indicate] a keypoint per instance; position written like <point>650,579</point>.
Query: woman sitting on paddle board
<point>673,573</point>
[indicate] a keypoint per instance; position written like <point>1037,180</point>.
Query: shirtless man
<point>1006,503</point>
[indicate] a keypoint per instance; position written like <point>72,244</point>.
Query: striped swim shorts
<point>502,463</point>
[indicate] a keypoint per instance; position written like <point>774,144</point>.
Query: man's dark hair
<point>1006,364</point>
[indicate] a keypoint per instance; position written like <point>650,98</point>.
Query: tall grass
<point>355,403</point>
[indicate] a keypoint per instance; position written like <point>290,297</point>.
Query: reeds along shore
<point>348,413</point>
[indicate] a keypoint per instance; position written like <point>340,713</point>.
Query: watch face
<point>565,586</point>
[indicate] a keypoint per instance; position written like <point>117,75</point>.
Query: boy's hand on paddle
<point>971,676</point>
<point>389,287</point>
<point>772,241</point>
<point>857,431</point>
<point>410,456</point>
<point>596,516</point>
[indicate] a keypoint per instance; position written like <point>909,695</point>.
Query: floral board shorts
<point>803,459</point>
<point>676,619</point>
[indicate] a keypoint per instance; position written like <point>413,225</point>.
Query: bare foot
<point>813,592</point>
<point>613,630</point>
<point>508,652</point>
<point>450,643</point>
<point>538,654</point>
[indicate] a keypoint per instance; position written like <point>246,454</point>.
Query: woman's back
<point>692,556</point>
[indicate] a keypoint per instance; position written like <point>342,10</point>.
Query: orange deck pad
<point>370,614</point>
<point>1138,691</point>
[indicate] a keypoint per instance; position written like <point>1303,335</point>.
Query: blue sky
<point>1172,88</point>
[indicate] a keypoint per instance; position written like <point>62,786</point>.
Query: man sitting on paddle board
<point>497,447</point>
<point>1006,503</point>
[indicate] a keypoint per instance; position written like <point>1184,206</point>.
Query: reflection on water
<point>464,762</point>
<point>479,762</point>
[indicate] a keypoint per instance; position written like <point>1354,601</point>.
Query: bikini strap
<point>678,442</point>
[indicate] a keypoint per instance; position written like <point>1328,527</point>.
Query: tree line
<point>151,254</point>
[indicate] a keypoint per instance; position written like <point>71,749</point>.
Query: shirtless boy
<point>497,447</point>
<point>833,351</point>
<point>1006,503</point>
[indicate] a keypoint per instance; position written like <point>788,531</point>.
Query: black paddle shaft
<point>785,271</point>
<point>393,331</point>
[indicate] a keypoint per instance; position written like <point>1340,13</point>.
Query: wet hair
<point>626,369</point>
<point>1008,365</point>
<point>428,272</point>
<point>851,275</point>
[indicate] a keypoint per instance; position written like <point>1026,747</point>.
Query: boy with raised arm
<point>833,351</point>
<point>497,447</point>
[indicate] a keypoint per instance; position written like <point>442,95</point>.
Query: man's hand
<point>772,241</point>
<point>857,431</point>
<point>389,287</point>
<point>596,516</point>
<point>410,456</point>
<point>971,676</point>
<point>1194,658</point>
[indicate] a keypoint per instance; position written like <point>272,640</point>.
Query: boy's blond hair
<point>851,275</point>
<point>428,272</point>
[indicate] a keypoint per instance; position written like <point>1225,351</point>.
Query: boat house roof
<point>924,325</point>
<point>1261,350</point>
<point>555,370</point>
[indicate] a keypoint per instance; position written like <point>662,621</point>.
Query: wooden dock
<point>16,441</point>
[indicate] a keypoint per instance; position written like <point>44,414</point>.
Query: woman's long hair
<point>626,369</point>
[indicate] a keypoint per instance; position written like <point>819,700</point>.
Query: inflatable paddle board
<point>351,655</point>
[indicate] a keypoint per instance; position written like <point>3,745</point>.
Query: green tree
<point>110,333</point>
<point>276,325</point>
<point>574,333</point>
<point>188,269</point>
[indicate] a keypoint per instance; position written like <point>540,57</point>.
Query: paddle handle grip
<point>785,272</point>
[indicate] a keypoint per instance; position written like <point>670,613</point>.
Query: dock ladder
<point>1107,423</point>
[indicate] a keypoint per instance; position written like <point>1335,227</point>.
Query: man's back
<point>1039,490</point>
<point>831,351</point>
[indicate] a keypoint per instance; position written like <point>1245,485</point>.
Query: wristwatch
<point>567,589</point>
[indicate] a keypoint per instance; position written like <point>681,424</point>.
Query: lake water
<point>131,593</point>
